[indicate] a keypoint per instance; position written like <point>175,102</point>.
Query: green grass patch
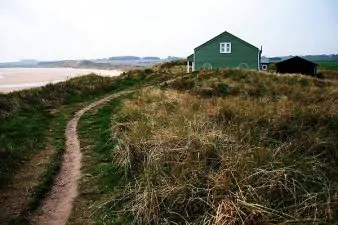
<point>330,65</point>
<point>56,140</point>
<point>21,137</point>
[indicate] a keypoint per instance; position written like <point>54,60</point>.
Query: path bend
<point>57,206</point>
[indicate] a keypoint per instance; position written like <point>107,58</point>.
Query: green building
<point>225,51</point>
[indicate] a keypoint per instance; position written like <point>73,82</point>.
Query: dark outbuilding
<point>297,65</point>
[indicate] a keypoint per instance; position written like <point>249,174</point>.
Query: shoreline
<point>15,79</point>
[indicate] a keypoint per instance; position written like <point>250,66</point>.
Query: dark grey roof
<point>190,58</point>
<point>296,58</point>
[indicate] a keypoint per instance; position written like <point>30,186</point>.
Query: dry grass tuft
<point>251,157</point>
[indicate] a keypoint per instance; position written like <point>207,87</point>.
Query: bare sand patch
<point>13,79</point>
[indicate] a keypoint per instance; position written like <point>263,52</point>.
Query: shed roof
<point>296,58</point>
<point>227,33</point>
<point>190,58</point>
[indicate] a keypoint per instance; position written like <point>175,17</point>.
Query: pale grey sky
<point>85,29</point>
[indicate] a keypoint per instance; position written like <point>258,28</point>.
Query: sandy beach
<point>13,79</point>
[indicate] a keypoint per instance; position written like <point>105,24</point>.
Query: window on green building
<point>225,47</point>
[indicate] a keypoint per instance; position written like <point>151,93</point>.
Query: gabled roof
<point>296,58</point>
<point>226,33</point>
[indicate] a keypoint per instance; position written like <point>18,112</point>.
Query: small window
<point>225,47</point>
<point>264,67</point>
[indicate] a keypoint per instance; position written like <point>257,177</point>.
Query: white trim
<point>259,60</point>
<point>188,65</point>
<point>264,67</point>
<point>225,47</point>
<point>260,51</point>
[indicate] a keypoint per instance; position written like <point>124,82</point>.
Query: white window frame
<point>264,67</point>
<point>225,47</point>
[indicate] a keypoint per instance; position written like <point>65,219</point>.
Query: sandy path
<point>57,206</point>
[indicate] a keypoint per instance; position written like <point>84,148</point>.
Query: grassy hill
<point>218,147</point>
<point>211,147</point>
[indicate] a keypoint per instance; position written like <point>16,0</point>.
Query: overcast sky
<point>85,29</point>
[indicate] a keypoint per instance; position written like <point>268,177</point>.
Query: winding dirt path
<point>57,206</point>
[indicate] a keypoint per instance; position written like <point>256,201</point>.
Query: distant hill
<point>28,62</point>
<point>275,59</point>
<point>113,62</point>
<point>173,58</point>
<point>86,64</point>
<point>151,58</point>
<point>126,58</point>
<point>78,64</point>
<point>333,57</point>
<point>134,58</point>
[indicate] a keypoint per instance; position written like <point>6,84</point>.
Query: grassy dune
<point>32,124</point>
<point>211,147</point>
<point>220,147</point>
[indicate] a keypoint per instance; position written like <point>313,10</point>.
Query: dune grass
<point>34,120</point>
<point>228,147</point>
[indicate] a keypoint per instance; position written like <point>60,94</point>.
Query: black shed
<point>297,65</point>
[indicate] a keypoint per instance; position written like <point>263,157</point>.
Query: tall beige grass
<point>245,148</point>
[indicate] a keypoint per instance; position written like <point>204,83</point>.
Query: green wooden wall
<point>241,53</point>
